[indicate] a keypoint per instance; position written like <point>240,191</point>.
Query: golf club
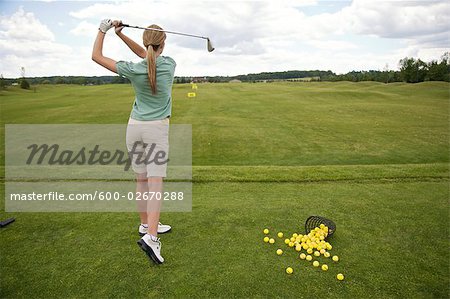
<point>209,44</point>
<point>6,222</point>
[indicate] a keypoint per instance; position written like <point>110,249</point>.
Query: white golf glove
<point>105,25</point>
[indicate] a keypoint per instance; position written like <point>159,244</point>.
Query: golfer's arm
<point>138,50</point>
<point>97,54</point>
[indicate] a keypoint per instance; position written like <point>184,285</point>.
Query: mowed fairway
<point>372,157</point>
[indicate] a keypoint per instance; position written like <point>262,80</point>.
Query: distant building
<point>235,81</point>
<point>199,80</point>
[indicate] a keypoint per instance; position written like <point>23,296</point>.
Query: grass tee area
<point>372,157</point>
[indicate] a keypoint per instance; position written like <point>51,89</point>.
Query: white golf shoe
<point>151,248</point>
<point>162,229</point>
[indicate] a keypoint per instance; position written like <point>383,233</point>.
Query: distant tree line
<point>410,70</point>
<point>80,80</point>
<point>415,70</point>
<point>372,75</point>
<point>283,75</point>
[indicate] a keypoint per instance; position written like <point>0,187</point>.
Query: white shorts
<point>148,146</point>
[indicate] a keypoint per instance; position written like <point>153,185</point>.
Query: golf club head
<point>210,46</point>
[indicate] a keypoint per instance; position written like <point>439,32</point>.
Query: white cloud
<point>423,26</point>
<point>228,23</point>
<point>334,45</point>
<point>26,42</point>
<point>400,19</point>
<point>84,28</point>
<point>24,26</point>
<point>249,36</point>
<point>27,48</point>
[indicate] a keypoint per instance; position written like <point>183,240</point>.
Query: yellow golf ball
<point>340,276</point>
<point>266,231</point>
<point>294,235</point>
<point>302,256</point>
<point>309,258</point>
<point>316,264</point>
<point>335,258</point>
<point>271,240</point>
<point>279,252</point>
<point>291,244</point>
<point>326,254</point>
<point>266,239</point>
<point>286,241</point>
<point>289,270</point>
<point>324,267</point>
<point>280,235</point>
<point>298,247</point>
<point>316,253</point>
<point>309,250</point>
<point>322,251</point>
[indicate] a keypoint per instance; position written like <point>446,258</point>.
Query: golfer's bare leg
<point>141,187</point>
<point>155,184</point>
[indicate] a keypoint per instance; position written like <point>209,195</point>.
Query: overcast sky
<point>56,37</point>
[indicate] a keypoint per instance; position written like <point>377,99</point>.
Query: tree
<point>385,76</point>
<point>446,58</point>
<point>59,80</point>
<point>439,71</point>
<point>24,84</point>
<point>79,80</point>
<point>413,71</point>
<point>2,82</point>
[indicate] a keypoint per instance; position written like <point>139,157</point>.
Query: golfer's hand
<point>118,26</point>
<point>105,25</point>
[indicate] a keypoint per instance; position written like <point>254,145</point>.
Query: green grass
<point>372,157</point>
<point>272,124</point>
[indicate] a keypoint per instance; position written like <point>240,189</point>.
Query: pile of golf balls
<point>311,245</point>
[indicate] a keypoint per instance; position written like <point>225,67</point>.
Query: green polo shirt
<point>148,106</point>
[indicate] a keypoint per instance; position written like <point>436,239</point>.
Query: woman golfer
<point>148,126</point>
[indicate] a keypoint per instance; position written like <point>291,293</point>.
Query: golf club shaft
<point>172,32</point>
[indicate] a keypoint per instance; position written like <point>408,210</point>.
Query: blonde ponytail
<point>151,67</point>
<point>153,40</point>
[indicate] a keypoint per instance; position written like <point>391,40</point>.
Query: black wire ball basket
<point>315,221</point>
